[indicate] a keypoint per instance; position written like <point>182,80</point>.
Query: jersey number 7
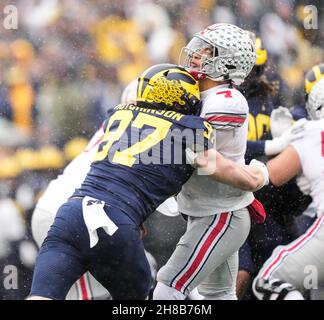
<point>125,117</point>
<point>228,93</point>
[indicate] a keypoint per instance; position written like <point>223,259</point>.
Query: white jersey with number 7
<point>227,110</point>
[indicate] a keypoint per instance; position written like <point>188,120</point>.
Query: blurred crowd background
<point>68,62</point>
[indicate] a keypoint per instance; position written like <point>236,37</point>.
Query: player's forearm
<point>240,176</point>
<point>284,167</point>
<point>228,172</point>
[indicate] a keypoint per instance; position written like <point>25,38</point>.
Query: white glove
<point>264,170</point>
<point>295,132</point>
<point>303,184</point>
<point>280,120</point>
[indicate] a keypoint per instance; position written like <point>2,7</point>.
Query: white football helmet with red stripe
<point>225,51</point>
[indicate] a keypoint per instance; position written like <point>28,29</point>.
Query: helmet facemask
<point>198,58</point>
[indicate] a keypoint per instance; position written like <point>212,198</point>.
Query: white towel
<point>169,207</point>
<point>95,217</point>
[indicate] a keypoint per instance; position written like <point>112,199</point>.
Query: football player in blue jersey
<point>148,152</point>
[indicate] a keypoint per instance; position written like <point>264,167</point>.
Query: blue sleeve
<point>298,112</point>
<point>254,149</point>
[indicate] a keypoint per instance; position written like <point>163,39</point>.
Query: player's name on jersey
<point>168,114</point>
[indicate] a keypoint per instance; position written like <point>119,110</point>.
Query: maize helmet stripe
<point>313,76</point>
<point>317,72</point>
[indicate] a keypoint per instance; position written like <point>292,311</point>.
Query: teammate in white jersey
<point>284,275</point>
<point>206,256</point>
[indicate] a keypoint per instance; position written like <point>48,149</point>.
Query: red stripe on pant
<point>84,292</point>
<point>288,250</point>
<point>201,254</point>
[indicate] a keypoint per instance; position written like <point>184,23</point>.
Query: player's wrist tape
<point>263,169</point>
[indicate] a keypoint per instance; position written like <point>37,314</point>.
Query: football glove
<point>280,120</point>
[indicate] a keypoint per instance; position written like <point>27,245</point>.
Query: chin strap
<point>197,75</point>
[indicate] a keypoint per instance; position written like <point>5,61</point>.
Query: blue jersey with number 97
<point>141,160</point>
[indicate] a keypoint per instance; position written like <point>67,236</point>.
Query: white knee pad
<point>164,292</point>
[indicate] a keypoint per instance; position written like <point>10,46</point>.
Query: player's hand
<point>263,169</point>
<point>280,120</point>
<point>277,145</point>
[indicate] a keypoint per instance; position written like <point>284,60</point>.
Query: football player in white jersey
<point>284,275</point>
<point>220,57</point>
